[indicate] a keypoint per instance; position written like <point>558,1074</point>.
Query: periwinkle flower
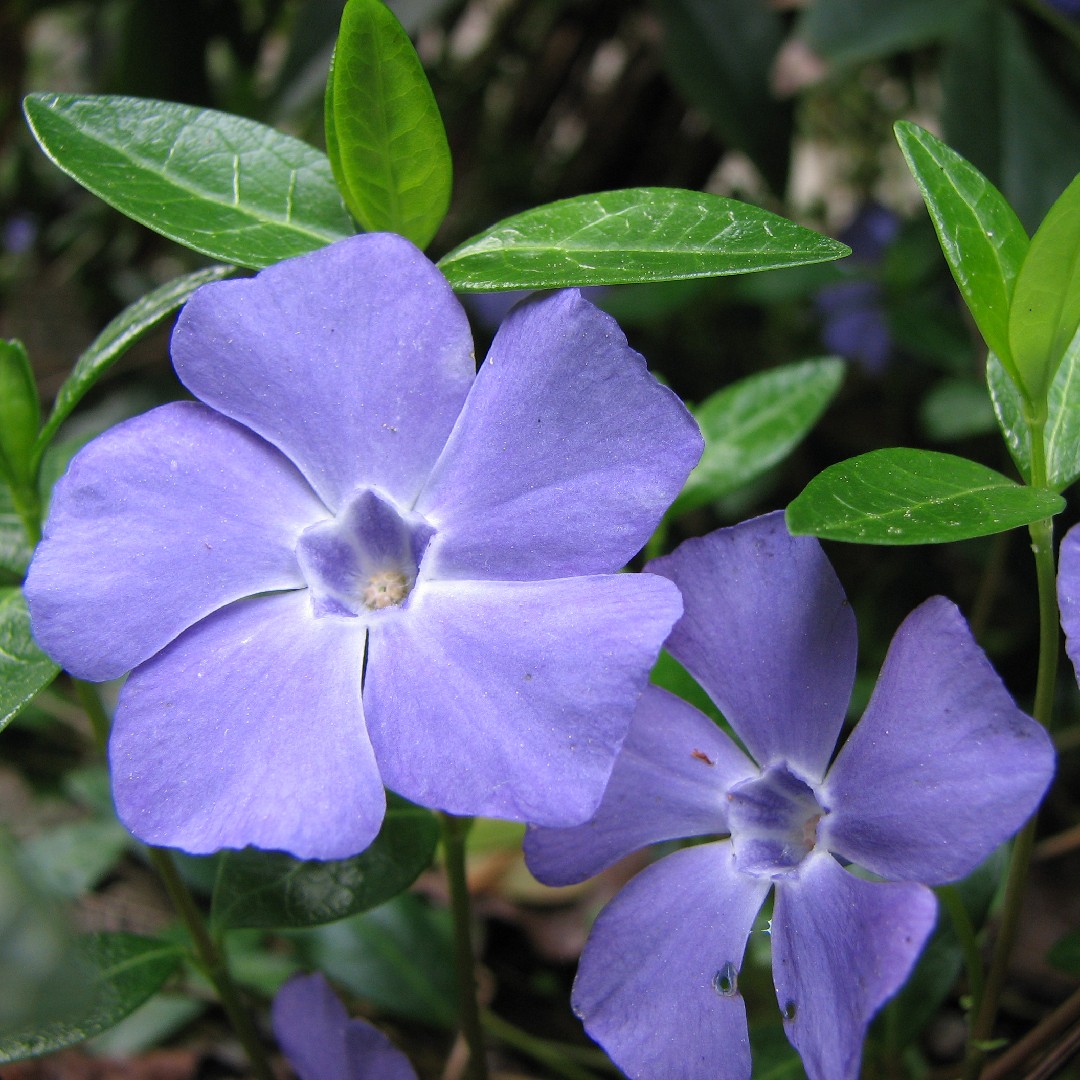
<point>939,771</point>
<point>357,561</point>
<point>1068,588</point>
<point>322,1043</point>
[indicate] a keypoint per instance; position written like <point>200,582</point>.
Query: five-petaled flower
<point>939,771</point>
<point>357,561</point>
<point>322,1043</point>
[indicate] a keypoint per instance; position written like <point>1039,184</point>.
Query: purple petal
<point>657,986</point>
<point>1068,585</point>
<point>249,729</point>
<point>841,948</point>
<point>159,522</point>
<point>669,783</point>
<point>322,1043</point>
<point>769,635</point>
<point>511,699</point>
<point>943,766</point>
<point>566,455</point>
<point>354,361</point>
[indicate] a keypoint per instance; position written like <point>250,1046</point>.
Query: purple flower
<point>355,561</point>
<point>322,1043</point>
<point>1068,586</point>
<point>941,769</point>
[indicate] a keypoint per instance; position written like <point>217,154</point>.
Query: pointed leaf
<point>231,188</point>
<point>125,969</point>
<point>754,423</point>
<point>636,234</point>
<point>1061,437</point>
<point>1045,311</point>
<point>20,411</point>
<point>271,890</point>
<point>15,546</point>
<point>24,668</point>
<point>384,129</point>
<point>902,496</point>
<point>982,238</point>
<point>133,323</point>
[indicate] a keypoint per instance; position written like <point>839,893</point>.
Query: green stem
<point>969,941</point>
<point>454,833</point>
<point>209,956</point>
<point>554,1056</point>
<point>1042,546</point>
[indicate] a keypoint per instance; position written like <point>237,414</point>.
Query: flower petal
<point>769,635</point>
<point>249,729</point>
<point>566,454</point>
<point>322,1043</point>
<point>1068,586</point>
<point>669,783</point>
<point>657,983</point>
<point>943,766</point>
<point>353,360</point>
<point>157,523</point>
<point>511,699</point>
<point>841,948</point>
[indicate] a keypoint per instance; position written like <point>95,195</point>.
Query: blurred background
<point>787,104</point>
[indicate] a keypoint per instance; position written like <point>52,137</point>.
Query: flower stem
<point>454,833</point>
<point>556,1057</point>
<point>1042,546</point>
<point>949,896</point>
<point>207,953</point>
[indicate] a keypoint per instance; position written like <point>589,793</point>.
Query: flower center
<point>364,560</point>
<point>773,819</point>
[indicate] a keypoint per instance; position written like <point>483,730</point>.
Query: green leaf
<point>956,409</point>
<point>384,132</point>
<point>982,238</point>
<point>15,546</point>
<point>126,969</point>
<point>1061,439</point>
<point>20,411</point>
<point>1064,954</point>
<point>754,423</point>
<point>230,188</point>
<point>24,668</point>
<point>1045,311</point>
<point>636,234</point>
<point>272,890</point>
<point>852,31</point>
<point>133,323</point>
<point>73,857</point>
<point>902,496</point>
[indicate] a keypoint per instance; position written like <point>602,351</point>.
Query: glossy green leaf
<point>1061,437</point>
<point>24,668</point>
<point>273,890</point>
<point>127,969</point>
<point>982,238</point>
<point>15,546</point>
<point>228,187</point>
<point>852,31</point>
<point>384,132</point>
<point>636,234</point>
<point>754,423</point>
<point>20,411</point>
<point>902,496</point>
<point>133,323</point>
<point>1045,312</point>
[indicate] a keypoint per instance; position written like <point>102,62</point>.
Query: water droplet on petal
<point>726,980</point>
<point>789,1010</point>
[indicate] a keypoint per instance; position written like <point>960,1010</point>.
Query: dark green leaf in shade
<point>1061,438</point>
<point>133,323</point>
<point>902,496</point>
<point>983,240</point>
<point>127,969</point>
<point>632,235</point>
<point>754,423</point>
<point>399,956</point>
<point>20,411</point>
<point>273,890</point>
<point>15,546</point>
<point>228,187</point>
<point>1045,312</point>
<point>720,53</point>
<point>852,31</point>
<point>1064,954</point>
<point>24,668</point>
<point>1009,112</point>
<point>384,132</point>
